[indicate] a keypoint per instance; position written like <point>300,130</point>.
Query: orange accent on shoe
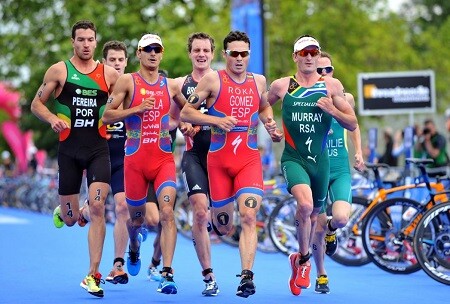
<point>292,287</point>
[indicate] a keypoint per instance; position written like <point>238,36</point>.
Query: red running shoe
<point>302,280</point>
<point>292,287</point>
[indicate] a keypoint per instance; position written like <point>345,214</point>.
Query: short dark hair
<point>85,25</point>
<point>326,55</point>
<point>201,36</point>
<point>235,36</point>
<point>114,45</point>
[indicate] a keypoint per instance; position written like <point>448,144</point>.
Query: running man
<point>233,100</point>
<point>339,189</point>
<point>310,101</point>
<point>200,48</point>
<point>81,87</point>
<point>115,55</point>
<point>146,98</point>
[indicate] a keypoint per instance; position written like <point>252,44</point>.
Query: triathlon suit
<point>339,188</point>
<point>148,153</point>
<point>305,155</point>
<point>234,162</point>
<point>193,164</point>
<point>116,142</point>
<point>82,146</point>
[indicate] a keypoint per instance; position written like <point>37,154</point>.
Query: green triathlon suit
<point>82,146</point>
<point>339,188</point>
<point>305,156</point>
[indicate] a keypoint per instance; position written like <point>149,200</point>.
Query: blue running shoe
<point>133,262</point>
<point>153,274</point>
<point>167,285</point>
<point>142,236</point>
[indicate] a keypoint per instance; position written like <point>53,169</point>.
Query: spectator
<point>7,166</point>
<point>388,155</point>
<point>432,144</point>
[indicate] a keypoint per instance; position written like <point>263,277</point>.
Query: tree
<point>36,34</point>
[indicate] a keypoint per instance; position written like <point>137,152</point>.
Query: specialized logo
<point>308,143</point>
<point>236,143</point>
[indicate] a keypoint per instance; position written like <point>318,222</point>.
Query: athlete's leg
<point>166,201</point>
<point>202,245</point>
<point>98,192</point>
<point>303,196</point>
<point>120,226</point>
<point>341,213</point>
<point>249,205</point>
<point>318,244</point>
<point>152,220</point>
<point>69,208</point>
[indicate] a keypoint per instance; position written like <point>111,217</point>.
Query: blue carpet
<point>42,264</point>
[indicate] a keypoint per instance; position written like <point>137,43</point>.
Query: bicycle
<point>388,228</point>
<point>432,242</point>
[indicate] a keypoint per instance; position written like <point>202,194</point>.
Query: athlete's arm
<point>122,94</point>
<point>336,105</point>
<point>205,88</point>
<point>355,137</point>
<point>111,76</point>
<point>274,92</point>
<point>266,111</point>
<point>52,84</point>
<point>185,127</point>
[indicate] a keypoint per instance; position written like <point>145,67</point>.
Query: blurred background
<point>363,36</point>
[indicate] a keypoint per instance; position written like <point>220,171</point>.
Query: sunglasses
<point>237,53</point>
<point>305,52</point>
<point>327,69</point>
<point>150,48</point>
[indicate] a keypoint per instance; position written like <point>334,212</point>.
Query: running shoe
<point>302,280</point>
<point>167,285</point>
<point>331,244</point>
<point>295,290</point>
<point>211,288</point>
<point>246,287</point>
<point>133,262</point>
<point>57,220</point>
<point>117,276</point>
<point>91,283</point>
<point>142,236</point>
<point>153,274</point>
<point>322,285</point>
<point>82,221</point>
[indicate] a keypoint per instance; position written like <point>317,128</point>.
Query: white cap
<point>305,42</point>
<point>149,39</point>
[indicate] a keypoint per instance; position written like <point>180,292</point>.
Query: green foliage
<point>361,35</point>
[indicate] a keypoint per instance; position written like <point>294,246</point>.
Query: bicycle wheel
<point>432,243</point>
<point>269,202</point>
<point>184,216</point>
<point>350,251</point>
<point>282,228</point>
<point>384,237</point>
